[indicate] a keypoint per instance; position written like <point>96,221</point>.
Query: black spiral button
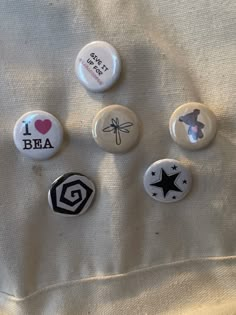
<point>71,194</point>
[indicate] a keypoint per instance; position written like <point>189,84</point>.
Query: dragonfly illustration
<point>116,128</point>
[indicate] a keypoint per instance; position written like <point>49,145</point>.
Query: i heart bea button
<point>38,135</point>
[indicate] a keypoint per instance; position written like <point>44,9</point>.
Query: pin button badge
<point>71,194</point>
<point>167,180</point>
<point>193,126</point>
<point>98,66</point>
<point>38,135</point>
<point>116,129</point>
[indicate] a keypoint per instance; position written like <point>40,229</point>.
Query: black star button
<point>167,180</point>
<point>167,183</point>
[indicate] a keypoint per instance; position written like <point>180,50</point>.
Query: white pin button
<point>38,135</point>
<point>167,180</point>
<point>116,129</point>
<point>71,194</point>
<point>98,66</point>
<point>193,126</point>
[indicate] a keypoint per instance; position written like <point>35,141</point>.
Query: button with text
<point>98,66</point>
<point>38,135</point>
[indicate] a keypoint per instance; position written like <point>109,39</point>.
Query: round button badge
<point>116,129</point>
<point>167,180</point>
<point>98,66</point>
<point>71,194</point>
<point>193,126</point>
<point>38,135</point>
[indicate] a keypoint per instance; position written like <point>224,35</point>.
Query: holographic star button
<point>167,180</point>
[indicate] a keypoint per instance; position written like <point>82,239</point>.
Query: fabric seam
<point>111,276</point>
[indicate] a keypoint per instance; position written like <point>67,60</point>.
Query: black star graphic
<point>184,181</point>
<point>174,167</point>
<point>167,183</point>
<point>153,173</point>
<point>174,197</point>
<point>154,194</point>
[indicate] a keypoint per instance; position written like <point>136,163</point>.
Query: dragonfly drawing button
<point>116,129</point>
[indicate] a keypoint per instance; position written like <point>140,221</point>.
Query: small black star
<point>153,173</point>
<point>167,183</point>
<point>174,197</point>
<point>174,167</point>
<point>184,181</point>
<point>154,194</point>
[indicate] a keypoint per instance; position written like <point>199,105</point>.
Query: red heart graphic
<point>43,126</point>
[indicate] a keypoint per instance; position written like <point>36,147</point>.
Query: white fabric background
<point>127,254</point>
